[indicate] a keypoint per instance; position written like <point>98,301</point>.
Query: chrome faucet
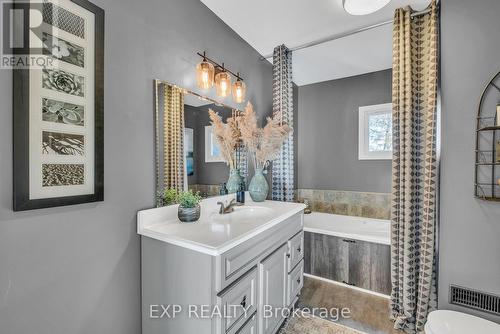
<point>227,209</point>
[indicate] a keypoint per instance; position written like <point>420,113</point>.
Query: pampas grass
<point>263,144</point>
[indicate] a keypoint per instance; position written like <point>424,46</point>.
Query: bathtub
<point>358,228</point>
<point>350,251</point>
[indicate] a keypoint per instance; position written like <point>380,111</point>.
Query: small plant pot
<point>189,215</point>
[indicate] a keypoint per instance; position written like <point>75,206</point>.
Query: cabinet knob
<point>298,280</point>
<point>299,249</point>
<point>288,255</point>
<point>244,302</point>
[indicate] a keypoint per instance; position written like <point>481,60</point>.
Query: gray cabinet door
<point>369,266</point>
<point>380,278</point>
<point>360,267</point>
<point>326,256</point>
<point>273,276</point>
<point>358,263</point>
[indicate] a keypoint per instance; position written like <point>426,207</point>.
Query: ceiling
<point>265,24</point>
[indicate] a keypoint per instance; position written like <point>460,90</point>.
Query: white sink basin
<point>242,214</point>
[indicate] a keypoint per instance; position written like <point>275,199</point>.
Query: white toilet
<point>451,322</point>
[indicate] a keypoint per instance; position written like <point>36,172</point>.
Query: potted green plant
<point>170,196</point>
<point>189,206</point>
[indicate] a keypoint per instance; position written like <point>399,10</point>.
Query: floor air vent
<point>475,299</point>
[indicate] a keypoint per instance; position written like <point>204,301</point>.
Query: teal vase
<point>258,187</point>
<point>234,181</point>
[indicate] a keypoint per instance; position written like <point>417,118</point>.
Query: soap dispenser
<point>240,195</point>
<point>222,189</point>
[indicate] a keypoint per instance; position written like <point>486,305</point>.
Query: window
<point>212,150</point>
<point>375,132</point>
<point>189,151</point>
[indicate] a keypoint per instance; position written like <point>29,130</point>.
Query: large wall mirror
<point>187,154</point>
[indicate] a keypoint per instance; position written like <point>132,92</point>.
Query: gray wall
<point>470,228</point>
<point>206,172</point>
<point>295,93</point>
<point>77,269</point>
<point>328,134</point>
<point>191,121</point>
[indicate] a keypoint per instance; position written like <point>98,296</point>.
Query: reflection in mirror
<point>187,154</point>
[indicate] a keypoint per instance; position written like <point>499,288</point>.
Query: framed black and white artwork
<point>59,107</point>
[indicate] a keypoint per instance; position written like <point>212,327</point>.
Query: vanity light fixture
<point>205,73</point>
<point>363,7</point>
<point>209,72</point>
<point>223,82</point>
<point>239,90</point>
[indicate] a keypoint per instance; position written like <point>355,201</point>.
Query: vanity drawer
<point>250,327</point>
<point>295,282</point>
<point>295,250</point>
<point>238,260</point>
<point>239,301</point>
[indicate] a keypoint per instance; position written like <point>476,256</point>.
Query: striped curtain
<point>241,153</point>
<point>173,138</point>
<point>283,187</point>
<point>414,168</point>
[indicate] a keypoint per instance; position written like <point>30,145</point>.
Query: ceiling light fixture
<point>363,7</point>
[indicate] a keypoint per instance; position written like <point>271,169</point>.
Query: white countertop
<point>214,234</point>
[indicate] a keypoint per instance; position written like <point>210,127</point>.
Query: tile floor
<point>369,313</point>
<point>313,325</point>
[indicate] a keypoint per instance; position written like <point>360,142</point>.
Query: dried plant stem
<point>263,143</point>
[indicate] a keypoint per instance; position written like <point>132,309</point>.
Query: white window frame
<point>209,141</point>
<point>188,132</point>
<point>363,145</point>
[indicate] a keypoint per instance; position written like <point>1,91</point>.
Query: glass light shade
<point>239,91</point>
<point>205,75</point>
<point>364,7</point>
<point>223,84</point>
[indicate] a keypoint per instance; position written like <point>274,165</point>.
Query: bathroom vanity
<point>231,273</point>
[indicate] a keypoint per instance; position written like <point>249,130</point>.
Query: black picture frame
<point>21,161</point>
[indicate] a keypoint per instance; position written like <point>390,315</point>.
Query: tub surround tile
<point>368,211</point>
<point>349,203</point>
<point>357,211</point>
<point>359,204</point>
<point>206,190</point>
<point>329,196</point>
<point>318,195</point>
<point>339,209</point>
<point>306,193</point>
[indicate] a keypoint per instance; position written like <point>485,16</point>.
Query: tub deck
<point>358,228</point>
